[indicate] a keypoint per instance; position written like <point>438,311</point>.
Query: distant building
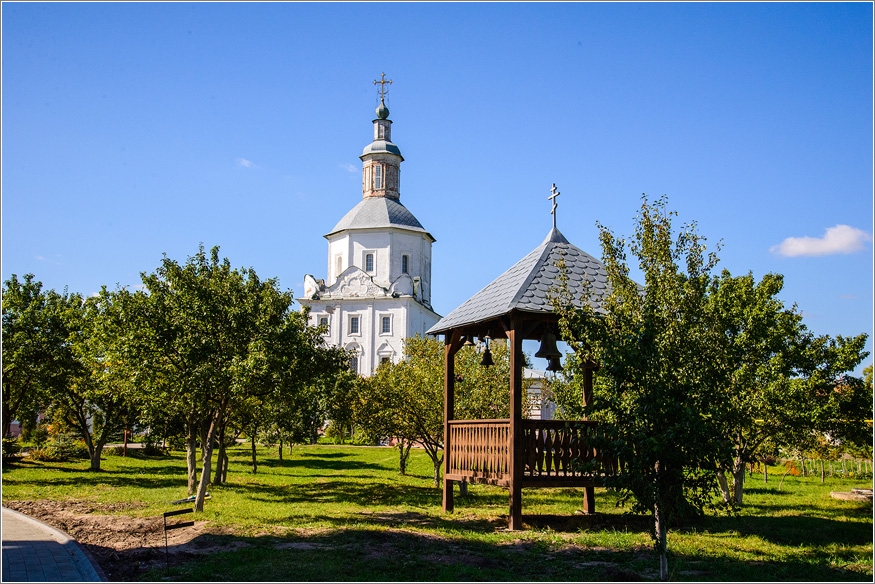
<point>378,289</point>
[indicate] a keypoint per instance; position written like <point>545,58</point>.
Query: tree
<point>219,336</point>
<point>405,400</point>
<point>758,345</point>
<point>655,350</point>
<point>36,355</point>
<point>408,398</point>
<point>99,400</point>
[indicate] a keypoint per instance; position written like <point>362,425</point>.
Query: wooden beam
<point>515,342</point>
<point>452,344</point>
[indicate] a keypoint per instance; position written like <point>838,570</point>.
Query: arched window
<point>405,263</point>
<point>369,262</point>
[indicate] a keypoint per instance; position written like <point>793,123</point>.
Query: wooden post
<point>589,492</point>
<point>515,342</point>
<point>451,346</point>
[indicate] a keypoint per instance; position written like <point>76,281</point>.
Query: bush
<point>11,450</point>
<point>64,448</point>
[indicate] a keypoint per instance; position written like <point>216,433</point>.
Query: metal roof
<point>526,286</point>
<point>379,212</point>
<point>380,146</point>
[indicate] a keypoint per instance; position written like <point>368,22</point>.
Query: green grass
<point>341,513</point>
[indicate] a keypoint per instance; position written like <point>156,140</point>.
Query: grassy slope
<point>344,513</point>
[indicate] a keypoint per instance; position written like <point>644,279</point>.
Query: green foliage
<point>36,356</point>
<point>221,346</point>
<point>657,354</point>
<point>406,400</point>
<point>63,447</point>
<point>11,449</point>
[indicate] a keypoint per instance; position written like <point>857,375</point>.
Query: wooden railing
<point>479,451</point>
<point>554,452</point>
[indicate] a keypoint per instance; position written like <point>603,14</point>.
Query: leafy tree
<point>220,336</point>
<point>99,400</point>
<point>663,387</point>
<point>405,400</point>
<point>36,355</point>
<point>757,346</point>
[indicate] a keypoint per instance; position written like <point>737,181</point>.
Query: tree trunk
<point>95,457</point>
<point>661,529</point>
<point>281,450</point>
<point>437,472</point>
<point>738,481</point>
<point>804,470</point>
<point>403,455</point>
<point>822,473</point>
<point>207,464</point>
<point>217,475</point>
<point>191,457</point>
<point>463,488</point>
<point>220,459</point>
<point>125,447</point>
<point>724,486</point>
<point>765,471</point>
<point>254,458</point>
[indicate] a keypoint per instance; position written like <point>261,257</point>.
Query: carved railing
<point>479,451</point>
<point>556,452</point>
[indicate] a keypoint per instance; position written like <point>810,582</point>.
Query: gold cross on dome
<point>552,197</point>
<point>382,82</point>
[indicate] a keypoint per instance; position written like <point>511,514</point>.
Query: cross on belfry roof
<point>552,197</point>
<point>382,91</point>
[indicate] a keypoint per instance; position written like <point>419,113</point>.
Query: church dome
<point>382,111</point>
<point>379,212</point>
<point>381,146</point>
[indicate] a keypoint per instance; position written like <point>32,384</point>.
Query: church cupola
<point>381,169</point>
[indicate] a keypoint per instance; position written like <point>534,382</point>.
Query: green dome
<point>382,111</point>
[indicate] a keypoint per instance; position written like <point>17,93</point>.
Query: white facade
<point>378,286</point>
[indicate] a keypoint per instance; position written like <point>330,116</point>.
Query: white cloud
<point>836,240</point>
<point>350,168</point>
<point>245,163</point>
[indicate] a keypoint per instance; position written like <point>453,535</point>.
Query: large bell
<point>486,361</point>
<point>548,348</point>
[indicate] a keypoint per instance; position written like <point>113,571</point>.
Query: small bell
<point>469,341</point>
<point>555,364</point>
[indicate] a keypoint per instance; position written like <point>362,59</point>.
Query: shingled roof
<point>526,286</point>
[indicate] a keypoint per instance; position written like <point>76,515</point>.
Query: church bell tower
<point>378,288</point>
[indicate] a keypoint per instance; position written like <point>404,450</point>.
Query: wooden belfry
<point>518,452</point>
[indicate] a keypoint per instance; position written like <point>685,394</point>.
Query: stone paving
<point>36,552</point>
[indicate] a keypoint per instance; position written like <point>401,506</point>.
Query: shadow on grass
<point>385,553</point>
<point>797,530</point>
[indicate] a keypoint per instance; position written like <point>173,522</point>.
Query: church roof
<point>379,212</point>
<point>526,286</point>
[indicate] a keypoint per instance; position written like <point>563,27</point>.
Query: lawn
<point>343,513</point>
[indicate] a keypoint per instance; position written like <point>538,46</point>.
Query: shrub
<point>11,450</point>
<point>63,448</point>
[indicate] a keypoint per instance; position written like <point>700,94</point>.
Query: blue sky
<point>133,130</point>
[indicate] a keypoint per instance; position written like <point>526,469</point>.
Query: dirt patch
<point>124,546</point>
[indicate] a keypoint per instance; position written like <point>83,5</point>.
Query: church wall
<point>406,317</point>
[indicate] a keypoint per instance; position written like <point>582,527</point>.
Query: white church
<point>378,288</point>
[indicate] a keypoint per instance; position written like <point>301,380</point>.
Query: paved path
<point>36,552</point>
